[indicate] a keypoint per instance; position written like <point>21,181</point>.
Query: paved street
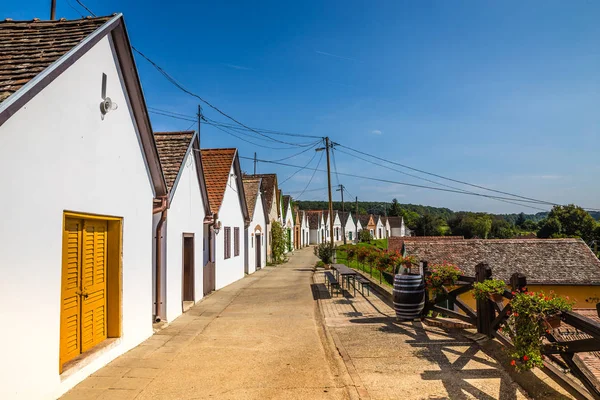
<point>255,339</point>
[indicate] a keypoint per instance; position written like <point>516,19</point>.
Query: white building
<point>349,226</point>
<point>304,228</point>
<point>226,198</point>
<point>397,227</point>
<point>270,191</point>
<point>79,176</point>
<point>380,230</point>
<point>288,222</point>
<point>316,226</point>
<point>338,234</point>
<point>182,259</point>
<point>388,227</point>
<point>255,242</point>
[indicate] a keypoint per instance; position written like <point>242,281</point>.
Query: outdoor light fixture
<point>217,227</point>
<point>106,104</point>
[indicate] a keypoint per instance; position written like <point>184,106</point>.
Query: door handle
<point>83,293</point>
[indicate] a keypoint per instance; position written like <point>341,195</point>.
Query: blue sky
<point>500,94</point>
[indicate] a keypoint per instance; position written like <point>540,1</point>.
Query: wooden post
<point>518,282</point>
<point>485,309</point>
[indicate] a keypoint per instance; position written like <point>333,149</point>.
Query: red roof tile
<point>29,47</point>
<point>172,148</point>
<point>217,166</point>
<point>251,190</point>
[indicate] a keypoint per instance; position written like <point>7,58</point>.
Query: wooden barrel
<point>409,296</point>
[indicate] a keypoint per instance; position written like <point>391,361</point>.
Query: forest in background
<point>561,221</point>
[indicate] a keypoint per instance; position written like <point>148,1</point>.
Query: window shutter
<point>227,240</point>
<point>236,241</point>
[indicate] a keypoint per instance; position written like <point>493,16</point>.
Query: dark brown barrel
<point>409,296</point>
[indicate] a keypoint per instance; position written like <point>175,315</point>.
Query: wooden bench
<point>331,282</point>
<point>364,282</point>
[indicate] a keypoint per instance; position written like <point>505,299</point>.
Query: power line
<point>296,145</point>
<point>337,177</point>
<point>251,142</point>
<point>183,89</point>
<point>313,175</point>
<point>432,181</point>
<point>74,9</point>
<point>87,9</point>
<point>453,180</point>
<point>172,116</point>
<point>298,170</point>
<point>407,184</point>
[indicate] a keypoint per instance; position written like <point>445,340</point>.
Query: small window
<point>236,242</point>
<point>227,242</point>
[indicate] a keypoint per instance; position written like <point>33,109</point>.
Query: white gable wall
<point>289,226</point>
<point>57,154</point>
<point>185,215</point>
<point>231,215</point>
<point>257,225</point>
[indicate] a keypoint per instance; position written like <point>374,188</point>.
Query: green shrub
<point>325,252</point>
<point>320,264</point>
<point>482,290</point>
<point>364,236</point>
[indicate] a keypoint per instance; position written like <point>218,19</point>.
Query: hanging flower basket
<point>552,321</point>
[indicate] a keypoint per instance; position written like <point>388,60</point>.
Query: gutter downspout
<point>163,210</point>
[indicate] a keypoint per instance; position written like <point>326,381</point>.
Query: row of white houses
<point>109,226</point>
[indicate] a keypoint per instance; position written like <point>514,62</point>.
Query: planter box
<point>496,298</point>
<point>552,321</point>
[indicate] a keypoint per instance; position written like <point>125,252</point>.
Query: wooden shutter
<point>236,241</point>
<point>70,319</point>
<point>93,310</point>
<point>227,242</point>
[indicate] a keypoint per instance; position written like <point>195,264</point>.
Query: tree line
<point>560,222</point>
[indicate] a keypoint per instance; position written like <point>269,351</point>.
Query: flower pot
<point>495,297</point>
<point>327,266</point>
<point>552,321</point>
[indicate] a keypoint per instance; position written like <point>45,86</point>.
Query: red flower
<point>513,293</point>
<point>513,363</point>
<point>516,314</point>
<point>525,358</point>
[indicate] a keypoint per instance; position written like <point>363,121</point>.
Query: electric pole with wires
<point>329,145</point>
<point>341,190</point>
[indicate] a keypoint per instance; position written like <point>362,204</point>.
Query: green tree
<point>502,229</point>
<point>520,220</point>
<point>428,225</point>
<point>364,236</point>
<point>568,221</point>
<point>395,210</point>
<point>482,226</point>
<point>278,243</point>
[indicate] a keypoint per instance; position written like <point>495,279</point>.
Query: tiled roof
<point>344,215</point>
<point>395,222</point>
<point>397,242</point>
<point>268,185</point>
<point>364,220</point>
<point>217,165</point>
<point>286,203</point>
<point>542,261</point>
<point>313,218</point>
<point>172,148</point>
<point>29,47</point>
<point>251,190</point>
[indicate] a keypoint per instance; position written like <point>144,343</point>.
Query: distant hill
<point>379,208</point>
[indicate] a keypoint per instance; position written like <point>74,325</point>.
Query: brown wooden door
<point>188,267</point>
<point>258,241</point>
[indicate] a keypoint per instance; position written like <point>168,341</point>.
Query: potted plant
<point>386,264</point>
<point>490,288</point>
<point>325,253</point>
<point>528,323</point>
<point>408,262</point>
<point>440,275</point>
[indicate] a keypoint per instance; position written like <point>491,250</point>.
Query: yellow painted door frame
<point>85,283</point>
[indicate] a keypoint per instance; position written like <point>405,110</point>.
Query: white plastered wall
<point>57,154</point>
<point>185,215</point>
<point>230,214</point>
<point>258,220</point>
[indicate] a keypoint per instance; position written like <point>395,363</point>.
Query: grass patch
<point>381,244</point>
<point>342,258</point>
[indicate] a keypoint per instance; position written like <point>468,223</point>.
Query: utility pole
<point>326,148</point>
<point>199,119</point>
<point>341,190</point>
<point>53,9</point>
<point>356,225</point>
<point>255,163</point>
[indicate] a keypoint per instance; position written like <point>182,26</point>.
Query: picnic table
<point>346,273</point>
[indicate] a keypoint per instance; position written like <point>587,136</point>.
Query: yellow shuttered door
<point>83,314</point>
